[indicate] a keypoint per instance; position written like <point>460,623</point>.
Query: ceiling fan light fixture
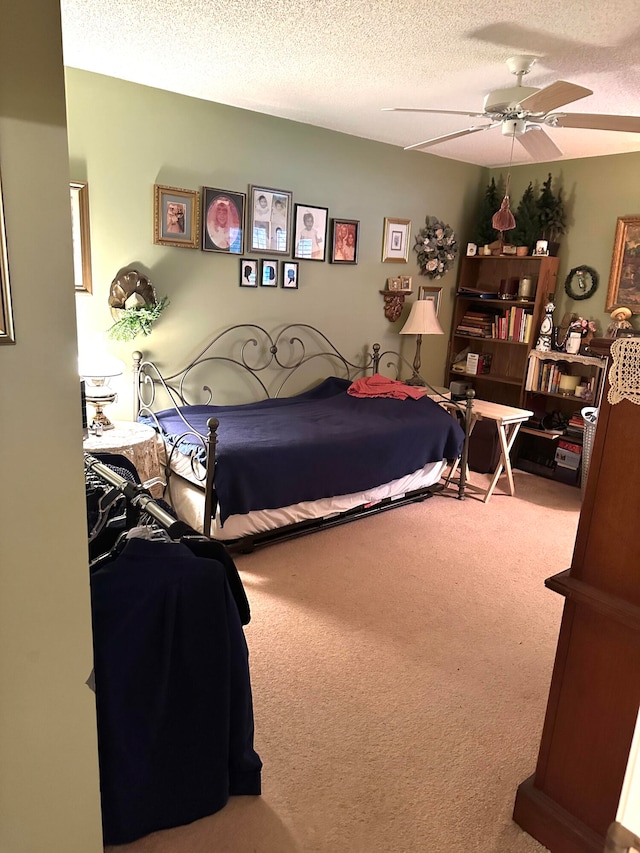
<point>514,126</point>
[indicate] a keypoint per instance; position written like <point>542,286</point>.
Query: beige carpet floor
<point>400,669</point>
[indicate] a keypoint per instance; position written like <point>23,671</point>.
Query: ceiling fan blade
<point>539,145</point>
<point>556,95</point>
<point>628,124</point>
<point>449,136</point>
<point>440,112</point>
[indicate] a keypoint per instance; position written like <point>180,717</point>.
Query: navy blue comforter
<point>321,443</point>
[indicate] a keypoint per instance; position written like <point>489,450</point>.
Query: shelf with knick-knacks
<point>396,291</point>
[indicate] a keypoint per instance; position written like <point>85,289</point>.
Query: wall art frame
<point>310,232</point>
<point>290,274</point>
<point>80,233</point>
<point>345,240</point>
<point>176,217</point>
<point>223,221</point>
<point>7,334</point>
<point>624,278</point>
<point>395,240</point>
<point>269,273</point>
<point>433,294</point>
<point>269,220</point>
<point>248,272</point>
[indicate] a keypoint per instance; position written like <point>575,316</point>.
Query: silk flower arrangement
<point>436,247</point>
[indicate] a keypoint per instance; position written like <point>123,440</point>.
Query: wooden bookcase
<point>504,383</point>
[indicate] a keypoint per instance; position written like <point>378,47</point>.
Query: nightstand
<point>135,441</point>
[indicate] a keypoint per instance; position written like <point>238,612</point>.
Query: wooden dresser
<point>572,798</point>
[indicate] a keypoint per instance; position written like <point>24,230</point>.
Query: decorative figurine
<point>545,335</point>
<point>620,320</point>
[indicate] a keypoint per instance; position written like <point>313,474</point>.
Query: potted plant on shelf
<point>551,215</point>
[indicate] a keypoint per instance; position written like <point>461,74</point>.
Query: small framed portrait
<point>80,236</point>
<point>310,232</point>
<point>290,274</point>
<point>345,235</point>
<point>269,273</point>
<point>176,217</point>
<point>248,272</point>
<point>222,221</point>
<point>542,248</point>
<point>269,220</point>
<point>406,282</point>
<point>434,294</point>
<point>395,241</point>
<point>394,284</point>
<point>472,250</point>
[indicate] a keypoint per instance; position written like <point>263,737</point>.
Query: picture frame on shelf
<point>394,283</point>
<point>269,220</point>
<point>310,232</point>
<point>290,273</point>
<point>345,238</point>
<point>624,278</point>
<point>223,221</point>
<point>7,335</point>
<point>80,238</point>
<point>434,294</point>
<point>406,282</point>
<point>176,217</point>
<point>395,240</point>
<point>268,273</point>
<point>248,272</point>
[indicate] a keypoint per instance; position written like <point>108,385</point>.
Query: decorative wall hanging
<point>270,220</point>
<point>269,273</point>
<point>80,236</point>
<point>248,272</point>
<point>345,236</point>
<point>624,281</point>
<point>310,240</point>
<point>222,221</point>
<point>436,247</point>
<point>290,274</point>
<point>581,283</point>
<point>134,307</point>
<point>176,217</point>
<point>395,241</point>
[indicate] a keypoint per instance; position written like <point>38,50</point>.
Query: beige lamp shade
<point>422,319</point>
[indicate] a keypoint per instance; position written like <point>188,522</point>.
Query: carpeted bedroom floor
<point>400,669</point>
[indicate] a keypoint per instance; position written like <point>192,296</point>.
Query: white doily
<point>624,373</point>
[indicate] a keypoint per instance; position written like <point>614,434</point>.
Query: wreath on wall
<point>437,247</point>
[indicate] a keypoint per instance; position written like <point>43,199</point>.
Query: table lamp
<point>97,370</point>
<point>421,321</point>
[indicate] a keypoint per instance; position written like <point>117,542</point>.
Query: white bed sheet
<point>186,495</point>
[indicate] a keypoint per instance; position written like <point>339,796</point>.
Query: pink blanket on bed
<point>380,386</point>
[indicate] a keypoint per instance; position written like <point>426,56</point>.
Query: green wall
<point>124,138</point>
<point>597,191</point>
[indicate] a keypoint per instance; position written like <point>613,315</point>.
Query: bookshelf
<point>503,331</point>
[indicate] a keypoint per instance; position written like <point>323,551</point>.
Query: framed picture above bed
<point>269,220</point>
<point>176,217</point>
<point>269,273</point>
<point>345,236</point>
<point>290,274</point>
<point>248,272</point>
<point>222,221</point>
<point>310,233</point>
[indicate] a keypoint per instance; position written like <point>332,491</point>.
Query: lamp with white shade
<point>97,370</point>
<point>422,320</point>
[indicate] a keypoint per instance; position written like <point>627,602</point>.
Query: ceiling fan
<point>522,112</point>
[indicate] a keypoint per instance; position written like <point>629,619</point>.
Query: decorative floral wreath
<point>437,248</point>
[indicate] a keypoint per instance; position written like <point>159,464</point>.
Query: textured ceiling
<point>337,63</point>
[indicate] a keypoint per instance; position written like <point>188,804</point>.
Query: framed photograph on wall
<point>269,220</point>
<point>248,272</point>
<point>345,236</point>
<point>6,314</point>
<point>269,273</point>
<point>310,232</point>
<point>624,279</point>
<point>290,274</point>
<point>80,236</point>
<point>395,240</point>
<point>176,217</point>
<point>222,221</point>
<point>432,293</point>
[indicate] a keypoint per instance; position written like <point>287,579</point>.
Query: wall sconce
<point>97,370</point>
<point>422,320</point>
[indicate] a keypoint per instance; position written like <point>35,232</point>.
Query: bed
<point>262,438</point>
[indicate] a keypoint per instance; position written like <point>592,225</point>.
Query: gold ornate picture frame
<point>79,191</point>
<point>624,279</point>
<point>176,217</point>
